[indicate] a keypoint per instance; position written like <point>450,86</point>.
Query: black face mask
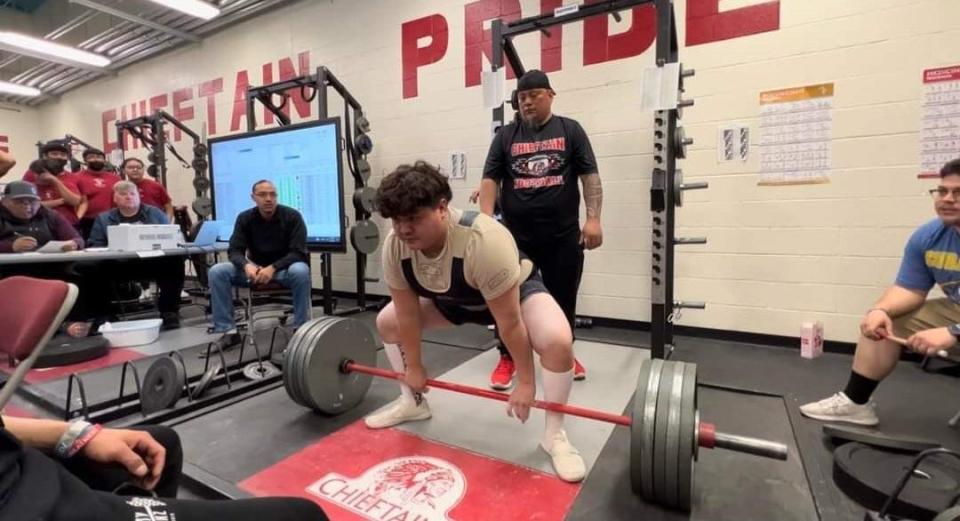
<point>54,166</point>
<point>96,166</point>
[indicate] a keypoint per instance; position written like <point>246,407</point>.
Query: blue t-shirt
<point>932,256</point>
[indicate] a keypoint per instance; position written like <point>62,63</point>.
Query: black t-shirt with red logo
<point>538,171</point>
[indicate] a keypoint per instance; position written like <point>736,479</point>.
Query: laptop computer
<point>207,236</point>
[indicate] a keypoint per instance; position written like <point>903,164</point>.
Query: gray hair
<point>124,186</point>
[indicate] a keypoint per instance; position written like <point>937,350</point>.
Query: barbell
<point>330,362</point>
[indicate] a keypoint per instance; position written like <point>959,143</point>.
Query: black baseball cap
<point>20,190</point>
<point>533,79</point>
<point>50,146</point>
<point>92,151</point>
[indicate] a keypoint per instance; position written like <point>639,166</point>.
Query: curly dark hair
<point>952,167</point>
<point>411,187</point>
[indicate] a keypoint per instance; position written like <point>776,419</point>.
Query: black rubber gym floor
<point>239,440</point>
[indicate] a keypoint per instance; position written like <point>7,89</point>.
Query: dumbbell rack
<point>670,144</point>
<point>357,145</point>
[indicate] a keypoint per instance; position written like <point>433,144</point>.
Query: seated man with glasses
<point>269,243</point>
<point>932,256</point>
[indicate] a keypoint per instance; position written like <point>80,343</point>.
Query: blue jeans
<point>224,276</point>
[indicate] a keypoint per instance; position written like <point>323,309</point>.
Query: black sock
<point>859,388</point>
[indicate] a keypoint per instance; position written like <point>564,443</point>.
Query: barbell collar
<point>690,240</point>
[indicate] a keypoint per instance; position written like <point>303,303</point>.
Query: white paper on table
<point>97,248</point>
<point>53,247</point>
<point>150,253</point>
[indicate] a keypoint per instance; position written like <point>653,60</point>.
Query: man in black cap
<point>534,164</point>
<point>26,225</point>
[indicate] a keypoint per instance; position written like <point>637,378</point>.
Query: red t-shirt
<point>50,192</point>
<point>98,188</point>
<point>153,193</point>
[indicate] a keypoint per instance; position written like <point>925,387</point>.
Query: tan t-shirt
<point>491,263</point>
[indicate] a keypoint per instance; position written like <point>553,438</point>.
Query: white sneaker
<point>565,458</point>
<point>397,412</point>
<point>839,408</point>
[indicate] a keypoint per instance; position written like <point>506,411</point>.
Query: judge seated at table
<point>168,272</point>
<point>25,225</point>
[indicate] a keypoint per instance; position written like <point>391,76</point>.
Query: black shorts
<point>480,314</point>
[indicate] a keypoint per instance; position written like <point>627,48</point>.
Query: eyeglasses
<point>941,191</point>
<point>265,195</point>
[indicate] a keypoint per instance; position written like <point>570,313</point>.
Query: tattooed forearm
<point>592,194</point>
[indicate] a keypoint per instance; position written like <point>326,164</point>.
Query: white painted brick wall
<point>777,256</point>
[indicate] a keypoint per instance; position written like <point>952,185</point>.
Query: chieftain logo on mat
<point>415,488</point>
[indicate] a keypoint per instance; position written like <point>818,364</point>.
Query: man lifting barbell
<point>447,267</point>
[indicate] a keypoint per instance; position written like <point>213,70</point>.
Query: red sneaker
<point>579,372</point>
<point>502,377</point>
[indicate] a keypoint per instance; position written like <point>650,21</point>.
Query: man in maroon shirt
<point>151,192</point>
<point>58,192</point>
<point>96,187</point>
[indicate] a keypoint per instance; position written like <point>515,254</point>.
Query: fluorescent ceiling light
<point>19,90</point>
<point>47,50</point>
<point>191,7</point>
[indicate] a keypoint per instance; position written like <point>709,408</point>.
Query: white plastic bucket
<point>131,333</point>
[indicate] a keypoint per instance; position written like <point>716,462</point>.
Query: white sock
<point>556,388</point>
<point>395,356</point>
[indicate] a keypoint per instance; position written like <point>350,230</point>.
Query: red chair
<point>31,310</point>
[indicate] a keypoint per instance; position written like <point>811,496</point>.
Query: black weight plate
<point>199,163</point>
<point>203,206</point>
<point>66,350</point>
<point>162,385</point>
<point>876,438</point>
<point>201,183</point>
<point>200,150</point>
<point>331,390</point>
<point>295,349</point>
<point>648,413</point>
<point>688,439</point>
<point>362,124</point>
<point>365,236</point>
<point>680,146</point>
<point>363,168</point>
<point>260,370</point>
<point>303,376</point>
<point>660,433</point>
<point>152,171</point>
<point>636,429</point>
<point>868,476</point>
<point>363,143</point>
<point>678,187</point>
<point>671,457</point>
<point>364,198</point>
<point>204,384</point>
